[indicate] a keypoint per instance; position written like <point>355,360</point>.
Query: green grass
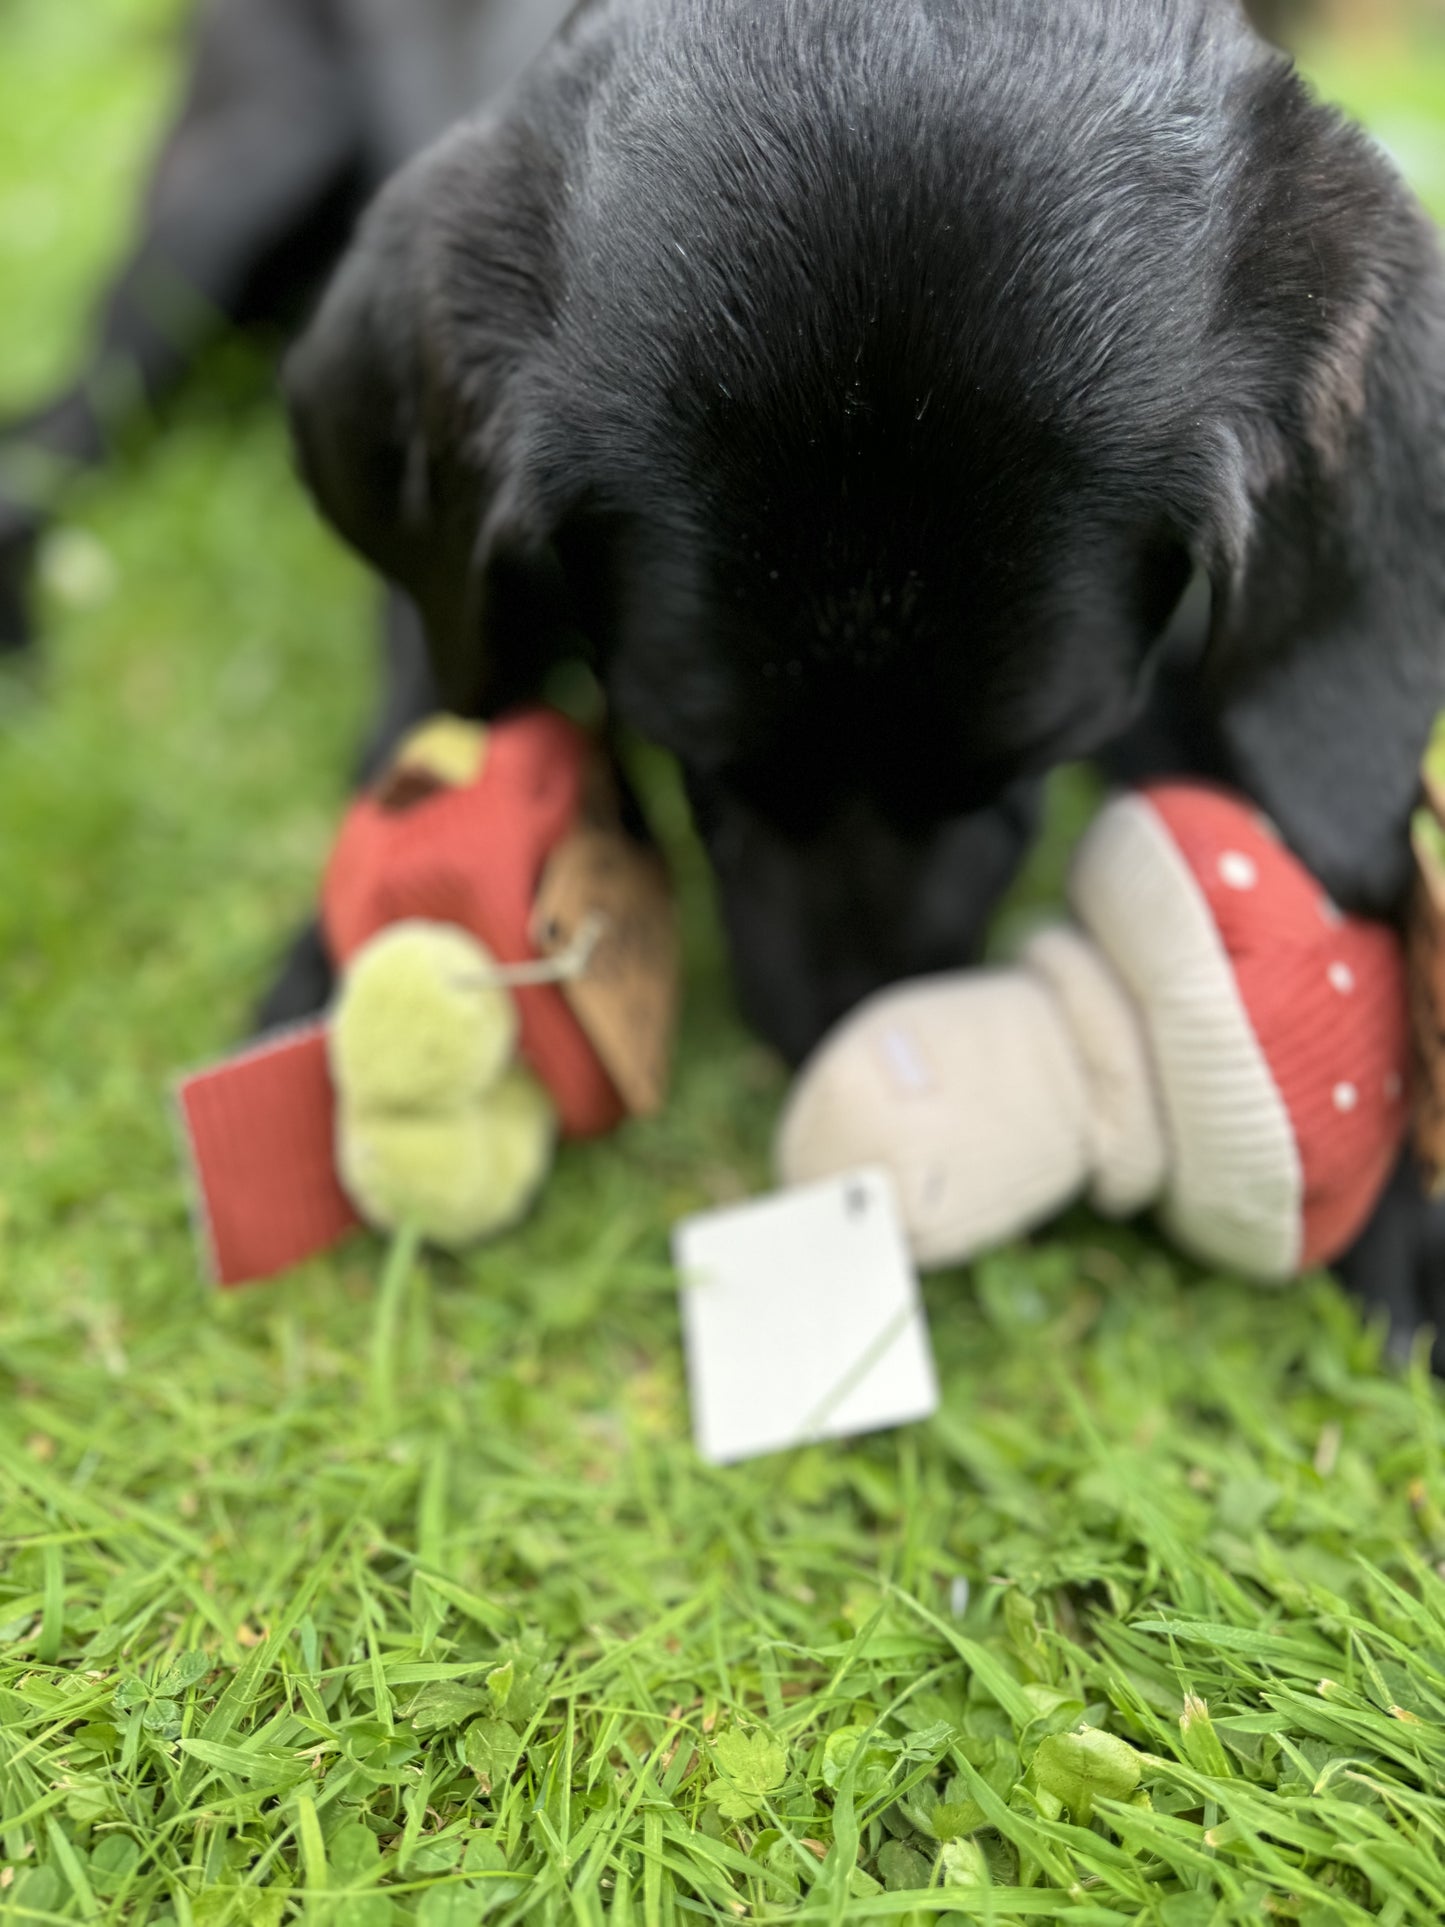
<point>356,1601</point>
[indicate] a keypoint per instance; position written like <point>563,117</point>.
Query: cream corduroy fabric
<point>1235,1189</point>
<point>995,1098</point>
<point>1128,1148</point>
<point>971,1090</point>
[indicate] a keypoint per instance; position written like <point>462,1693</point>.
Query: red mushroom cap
<point>1279,1025</point>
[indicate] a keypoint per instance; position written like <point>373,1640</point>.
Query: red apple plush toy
<point>507,972</point>
<point>1213,1039</point>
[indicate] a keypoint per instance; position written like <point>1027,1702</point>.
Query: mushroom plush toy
<point>1212,1038</point>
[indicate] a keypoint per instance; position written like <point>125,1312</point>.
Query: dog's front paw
<point>19,540</point>
<point>1398,1266</point>
<point>303,986</point>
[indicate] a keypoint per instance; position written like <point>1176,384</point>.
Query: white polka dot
<point>1347,1098</point>
<point>1331,912</point>
<point>1394,1087</point>
<point>1342,978</point>
<point>1238,871</point>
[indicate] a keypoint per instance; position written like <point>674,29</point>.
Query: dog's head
<point>860,384</point>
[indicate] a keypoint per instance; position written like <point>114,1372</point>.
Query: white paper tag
<point>803,1320</point>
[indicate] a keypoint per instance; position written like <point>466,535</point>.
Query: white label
<point>803,1320</point>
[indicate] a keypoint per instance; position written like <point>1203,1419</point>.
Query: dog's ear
<point>1328,658</point>
<point>404,400</point>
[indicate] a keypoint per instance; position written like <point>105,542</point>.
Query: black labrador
<point>861,385</point>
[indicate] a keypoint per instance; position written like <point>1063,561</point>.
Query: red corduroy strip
<point>260,1134</point>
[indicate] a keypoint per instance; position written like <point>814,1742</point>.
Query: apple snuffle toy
<point>508,973</point>
<point>1212,1038</point>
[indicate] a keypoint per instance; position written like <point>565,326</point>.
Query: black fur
<point>864,381</point>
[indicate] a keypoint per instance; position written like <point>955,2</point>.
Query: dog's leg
<point>1398,1266</point>
<point>234,218</point>
<point>409,690</point>
<point>302,988</point>
<point>305,982</point>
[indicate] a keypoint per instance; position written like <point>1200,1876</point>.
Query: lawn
<point>381,1597</point>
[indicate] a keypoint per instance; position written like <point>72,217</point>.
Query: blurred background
<point>173,758</point>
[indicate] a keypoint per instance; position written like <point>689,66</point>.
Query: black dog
<point>861,384</point>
